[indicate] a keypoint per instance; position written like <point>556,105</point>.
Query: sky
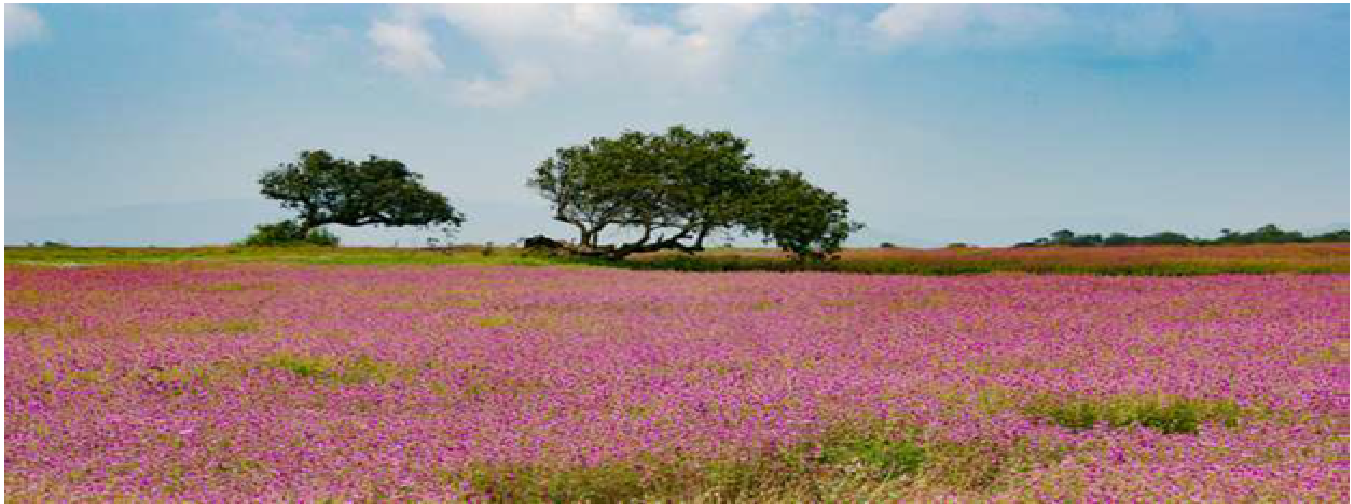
<point>986,124</point>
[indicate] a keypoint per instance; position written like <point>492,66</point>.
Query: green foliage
<point>889,457</point>
<point>289,233</point>
<point>301,366</point>
<point>800,218</point>
<point>1269,233</point>
<point>1342,236</point>
<point>324,189</point>
<point>213,326</point>
<point>493,321</point>
<point>863,455</point>
<point>525,483</point>
<point>361,369</point>
<point>674,190</point>
<point>1182,416</point>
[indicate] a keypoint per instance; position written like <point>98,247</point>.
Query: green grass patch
<point>1169,416</point>
<point>886,456</point>
<point>340,370</point>
<point>206,326</point>
<point>14,325</point>
<point>810,470</point>
<point>236,287</point>
<point>493,321</point>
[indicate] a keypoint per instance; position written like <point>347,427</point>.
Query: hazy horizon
<point>988,124</point>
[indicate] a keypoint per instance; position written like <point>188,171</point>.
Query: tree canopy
<point>1269,233</point>
<point>675,189</point>
<point>799,217</point>
<point>325,189</point>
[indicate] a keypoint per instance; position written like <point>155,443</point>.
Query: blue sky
<point>990,124</point>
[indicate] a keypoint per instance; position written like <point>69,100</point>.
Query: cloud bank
<point>1140,31</point>
<point>533,47</point>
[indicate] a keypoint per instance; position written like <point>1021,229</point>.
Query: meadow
<point>172,374</point>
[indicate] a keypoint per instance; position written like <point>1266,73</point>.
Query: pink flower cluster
<point>268,382</point>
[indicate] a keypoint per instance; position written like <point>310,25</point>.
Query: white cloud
<point>22,24</point>
<point>727,20</point>
<point>518,83</point>
<point>279,37</point>
<point>405,47</point>
<point>802,12</point>
<point>1124,31</point>
<point>715,30</point>
<point>967,25</point>
<point>533,47</point>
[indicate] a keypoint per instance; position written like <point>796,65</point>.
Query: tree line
<point>662,191</point>
<point>1269,233</point>
<point>672,190</point>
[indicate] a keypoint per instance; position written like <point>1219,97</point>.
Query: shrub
<point>288,233</point>
<point>887,245</point>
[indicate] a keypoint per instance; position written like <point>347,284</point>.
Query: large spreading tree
<point>676,189</point>
<point>325,189</point>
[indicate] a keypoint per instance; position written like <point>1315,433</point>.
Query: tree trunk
<point>699,240</point>
<point>305,227</point>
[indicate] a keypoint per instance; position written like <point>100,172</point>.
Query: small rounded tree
<point>807,221</point>
<point>287,233</point>
<point>325,189</point>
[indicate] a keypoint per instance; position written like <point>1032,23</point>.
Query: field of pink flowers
<point>233,382</point>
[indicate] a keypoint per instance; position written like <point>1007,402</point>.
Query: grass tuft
<point>1175,416</point>
<point>812,469</point>
<point>358,370</point>
<point>493,321</point>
